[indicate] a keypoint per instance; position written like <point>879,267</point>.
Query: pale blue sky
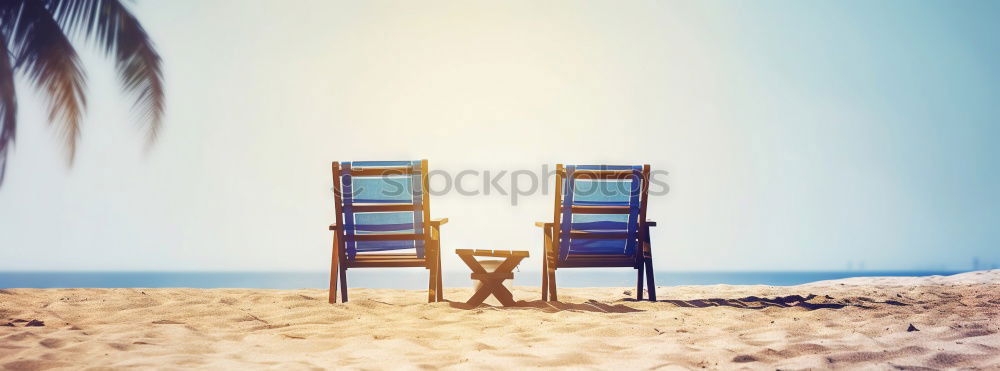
<point>797,134</point>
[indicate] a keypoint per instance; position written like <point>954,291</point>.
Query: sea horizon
<point>415,278</point>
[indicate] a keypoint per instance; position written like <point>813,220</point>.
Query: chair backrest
<point>382,206</point>
<point>600,209</point>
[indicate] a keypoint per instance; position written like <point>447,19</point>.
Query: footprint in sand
<point>19,336</point>
<point>227,301</point>
<point>954,360</point>
<point>744,358</point>
<point>52,343</point>
<point>978,332</point>
<point>167,322</point>
<point>857,357</point>
<point>119,346</point>
<point>791,351</point>
<point>33,364</point>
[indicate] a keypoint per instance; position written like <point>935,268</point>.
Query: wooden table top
<point>498,253</point>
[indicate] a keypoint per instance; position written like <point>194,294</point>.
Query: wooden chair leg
<point>638,282</point>
<point>432,281</point>
<point>649,279</point>
<point>552,283</point>
<point>332,296</point>
<point>343,282</point>
<point>334,272</point>
<point>647,256</point>
<point>545,279</point>
<point>440,279</point>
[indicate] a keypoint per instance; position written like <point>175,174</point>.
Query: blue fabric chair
<point>599,221</point>
<point>383,220</point>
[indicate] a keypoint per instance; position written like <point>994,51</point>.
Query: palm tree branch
<point>120,35</point>
<point>45,56</point>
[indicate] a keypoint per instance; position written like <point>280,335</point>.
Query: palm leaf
<point>121,36</point>
<point>8,105</point>
<point>45,56</point>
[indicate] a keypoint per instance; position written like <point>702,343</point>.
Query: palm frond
<point>8,105</point>
<point>122,36</point>
<point>46,57</point>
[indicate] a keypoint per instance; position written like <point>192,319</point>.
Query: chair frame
<point>432,241</point>
<point>642,261</point>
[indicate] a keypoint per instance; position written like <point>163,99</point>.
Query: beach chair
<point>383,220</point>
<point>599,221</point>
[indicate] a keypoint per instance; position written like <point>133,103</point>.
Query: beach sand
<point>853,323</point>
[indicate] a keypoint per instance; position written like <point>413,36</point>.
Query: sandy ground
<point>855,323</point>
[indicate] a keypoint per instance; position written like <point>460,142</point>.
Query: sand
<point>854,323</point>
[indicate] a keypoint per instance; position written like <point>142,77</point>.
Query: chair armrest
<point>333,226</point>
<point>650,223</point>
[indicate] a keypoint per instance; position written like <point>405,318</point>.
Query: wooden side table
<point>492,282</point>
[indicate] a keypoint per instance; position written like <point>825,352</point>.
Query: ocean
<point>416,278</point>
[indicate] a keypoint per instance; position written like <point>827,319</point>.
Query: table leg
<point>503,295</point>
<point>488,286</point>
<point>491,283</point>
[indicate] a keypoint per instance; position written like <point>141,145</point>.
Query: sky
<point>794,135</point>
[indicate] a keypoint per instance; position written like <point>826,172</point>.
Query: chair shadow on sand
<point>555,306</point>
<point>749,302</point>
<point>789,301</point>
